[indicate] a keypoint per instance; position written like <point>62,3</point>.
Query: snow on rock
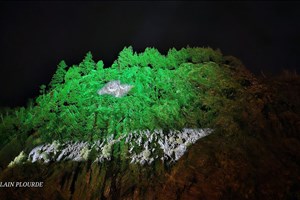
<point>58,152</point>
<point>143,147</point>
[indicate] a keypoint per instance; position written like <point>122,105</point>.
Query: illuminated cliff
<point>135,130</point>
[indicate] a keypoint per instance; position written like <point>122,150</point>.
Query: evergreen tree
<point>88,64</point>
<point>168,92</point>
<point>58,77</point>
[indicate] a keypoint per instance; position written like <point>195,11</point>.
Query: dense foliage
<point>185,88</point>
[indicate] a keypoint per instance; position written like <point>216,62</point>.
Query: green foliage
<point>58,77</point>
<point>88,64</point>
<point>176,58</point>
<point>14,122</point>
<point>185,88</point>
<point>126,58</point>
<point>200,55</point>
<point>73,74</point>
<point>99,65</point>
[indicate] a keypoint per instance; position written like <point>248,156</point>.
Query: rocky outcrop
<point>253,153</point>
<point>213,168</point>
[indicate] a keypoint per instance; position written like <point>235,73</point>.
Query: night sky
<point>36,36</point>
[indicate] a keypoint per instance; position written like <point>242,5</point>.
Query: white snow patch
<point>115,88</point>
<point>143,147</point>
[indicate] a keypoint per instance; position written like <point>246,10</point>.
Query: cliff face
<point>214,168</point>
<point>253,153</point>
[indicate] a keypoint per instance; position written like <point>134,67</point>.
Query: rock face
<point>253,153</point>
<point>212,169</point>
<point>141,147</point>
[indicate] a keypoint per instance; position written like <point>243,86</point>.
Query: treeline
<point>185,88</point>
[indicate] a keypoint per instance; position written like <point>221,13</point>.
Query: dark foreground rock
<point>214,168</point>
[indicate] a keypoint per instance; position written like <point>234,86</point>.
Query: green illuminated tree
<point>58,77</point>
<point>88,64</point>
<point>185,88</point>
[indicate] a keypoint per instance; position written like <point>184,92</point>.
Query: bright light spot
<point>115,88</point>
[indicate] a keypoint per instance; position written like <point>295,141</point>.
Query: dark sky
<point>36,36</point>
